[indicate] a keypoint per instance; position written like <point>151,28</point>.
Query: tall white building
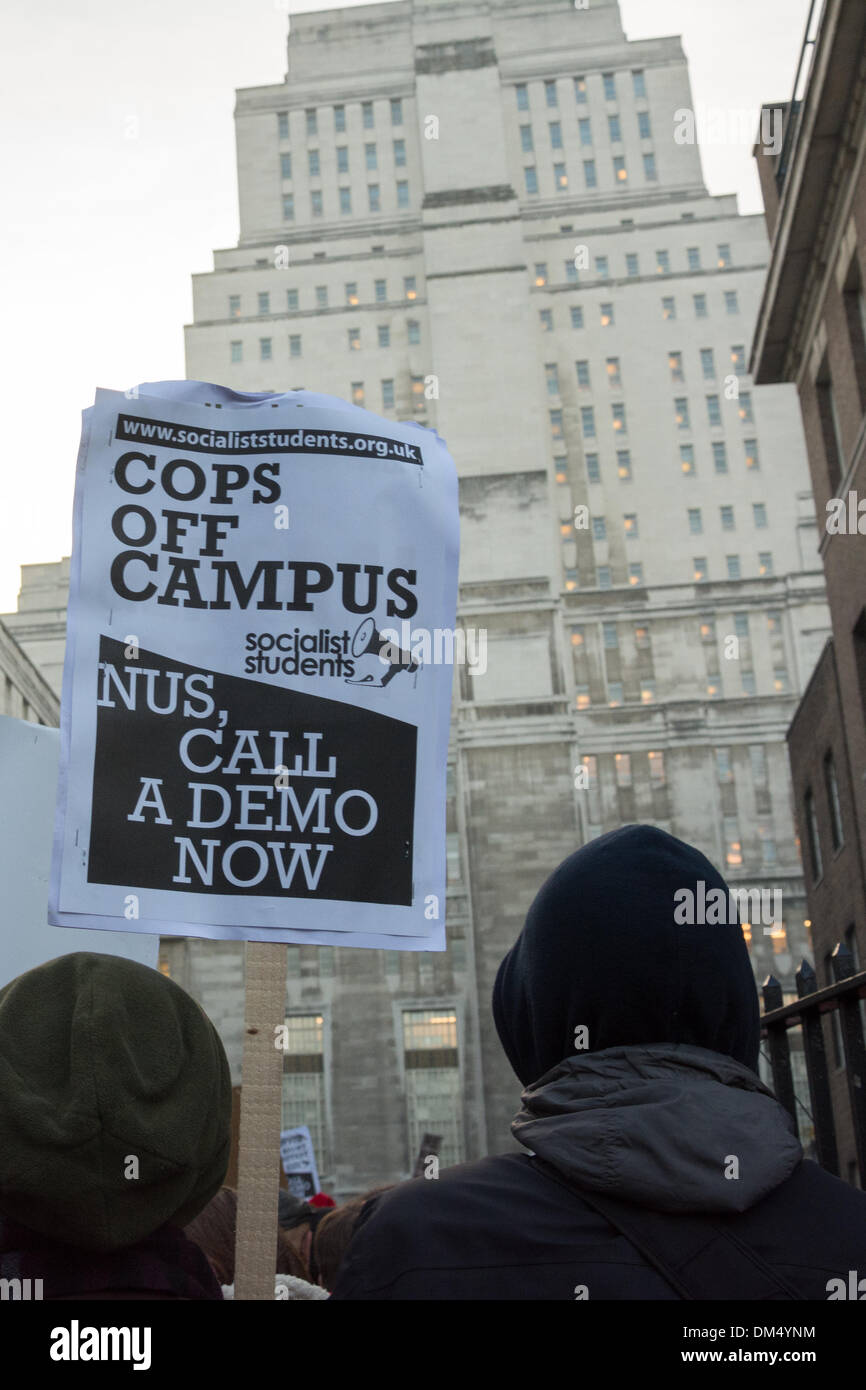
<point>478,216</point>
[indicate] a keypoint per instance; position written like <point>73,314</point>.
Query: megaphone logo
<point>377,660</point>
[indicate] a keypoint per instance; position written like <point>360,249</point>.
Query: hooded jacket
<point>636,1034</point>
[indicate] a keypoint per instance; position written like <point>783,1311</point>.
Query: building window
<point>669,308</point>
<point>714,414</point>
<point>816,863</point>
<point>351,292</point>
<point>580,90</point>
<point>606,315</point>
<point>587,419</point>
<point>237,351</point>
<point>434,1101</point>
<point>733,843</point>
<point>656,768</point>
<point>604,582</point>
<point>373,197</point>
<point>609,86</point>
<point>647,692</point>
<point>288,207</point>
<point>322,296</point>
<point>639,83</point>
<point>522,97</point>
<point>410,287</point>
<point>727,518</point>
<point>681,413</point>
<point>345,201</point>
<point>732,305</point>
<point>751,451</point>
<point>738,358</point>
<point>748,683</point>
<point>370,157</point>
<point>414,331</point>
<point>367,115</point>
<point>396,110</point>
<point>526,139</point>
<point>620,172</point>
<point>560,177</point>
<point>584,130</point>
<point>614,130</point>
<point>614,378</point>
<point>283,125</point>
<point>708,365</point>
<point>699,569</point>
<point>720,456</point>
<point>304,1101</point>
<point>593,471</point>
<point>357,393</point>
<point>234,306</point>
<point>642,638</point>
<point>623,465</point>
<point>399,154</point>
<point>546,317</point>
<point>313,159</point>
<point>384,335</point>
<point>609,635</point>
<point>696,524</point>
<point>833,802</point>
<point>781,684</point>
<point>618,418</point>
<point>622,763</point>
<point>733,564</point>
<point>555,135</point>
<point>550,92</point>
<point>589,174</point>
<point>694,257</point>
<point>582,370</point>
<point>581,697</point>
<point>631,264</point>
<point>531,179</point>
<point>663,262</point>
<point>354,339</point>
<point>576,316</point>
<point>745,408</point>
<point>759,515</point>
<point>402,193</point>
<point>265,349</point>
<point>599,528</point>
<point>264,302</point>
<point>724,258</point>
<point>551,376</point>
<point>292,301</point>
<point>555,423</point>
<point>649,168</point>
<point>629,525</point>
<point>312,127</point>
<point>643,126</point>
<point>294,344</point>
<point>724,771</point>
<point>339,119</point>
<point>700,303</point>
<point>380,289</point>
<point>387,395</point>
<point>829,421</point>
<point>343,160</point>
<point>571,271</point>
<point>285,166</point>
<point>765,562</point>
<point>687,460</point>
<point>602,268</point>
<point>316,202</point>
<point>675,362</point>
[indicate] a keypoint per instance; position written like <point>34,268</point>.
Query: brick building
<point>811,330</point>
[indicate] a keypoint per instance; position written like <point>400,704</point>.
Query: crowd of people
<point>652,1161</point>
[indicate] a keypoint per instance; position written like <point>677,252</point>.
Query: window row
<point>743,403</point>
<point>613,376</point>
<point>357,393</point>
<point>311,118</point>
<point>733,568</point>
<point>606,310</point>
<point>579,88</point>
<point>602,266</point>
<point>590,173</point>
<point>371,160</point>
<point>264,304</point>
<point>374,200</point>
<point>584,132</point>
<point>624,461</point>
<point>727,519</point>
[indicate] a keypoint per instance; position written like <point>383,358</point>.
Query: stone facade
<point>540,275</point>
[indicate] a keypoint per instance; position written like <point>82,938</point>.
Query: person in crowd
<point>115,1118</point>
<point>215,1230</point>
<point>332,1236</point>
<point>655,1163</point>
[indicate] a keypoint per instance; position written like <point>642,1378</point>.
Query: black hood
<point>601,950</point>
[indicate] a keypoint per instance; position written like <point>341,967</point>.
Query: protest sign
<point>299,1162</point>
<point>29,757</point>
<point>248,751</point>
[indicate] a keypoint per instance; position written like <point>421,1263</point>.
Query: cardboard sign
<point>299,1162</point>
<point>255,723</point>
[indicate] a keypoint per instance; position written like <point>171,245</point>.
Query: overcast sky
<point>119,180</point>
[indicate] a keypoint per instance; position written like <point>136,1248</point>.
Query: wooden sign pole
<point>261,1104</point>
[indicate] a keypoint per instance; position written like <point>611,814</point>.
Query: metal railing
<point>794,110</point>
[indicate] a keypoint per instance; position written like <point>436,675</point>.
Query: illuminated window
<point>577,637</point>
<point>555,423</point>
<point>746,407</point>
<point>580,90</point>
<point>751,448</point>
<point>354,339</point>
<point>571,580</point>
<point>541,272</point>
<point>681,413</point>
<point>618,417</point>
<point>765,562</point>
<point>647,692</point>
<point>738,359</point>
<point>635,574</point>
<point>669,308</point>
<point>622,763</point>
<point>641,637</point>
<point>581,697</point>
<point>433,1092</point>
<point>656,768</point>
<point>675,362</point>
<point>546,318</point>
<point>606,315</point>
<point>234,306</point>
<point>724,258</point>
<point>663,262</point>
<point>560,177</point>
<point>304,1100</point>
<point>780,680</point>
<point>733,843</point>
<point>699,569</point>
<point>708,630</point>
<point>358,392</point>
<point>623,465</point>
<point>352,293</point>
<point>561,470</point>
<point>620,172</point>
<point>629,522</point>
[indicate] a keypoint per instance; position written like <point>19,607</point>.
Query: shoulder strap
<point>699,1257</point>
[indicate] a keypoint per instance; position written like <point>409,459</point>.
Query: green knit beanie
<point>115,1102</point>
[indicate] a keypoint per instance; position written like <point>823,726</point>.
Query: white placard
<point>299,1162</point>
<point>257,689</point>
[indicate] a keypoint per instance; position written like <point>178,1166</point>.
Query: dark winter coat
<point>661,1108</point>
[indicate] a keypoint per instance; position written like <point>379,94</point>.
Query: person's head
<point>605,949</point>
<point>115,1102</point>
<point>214,1230</point>
<point>332,1236</point>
